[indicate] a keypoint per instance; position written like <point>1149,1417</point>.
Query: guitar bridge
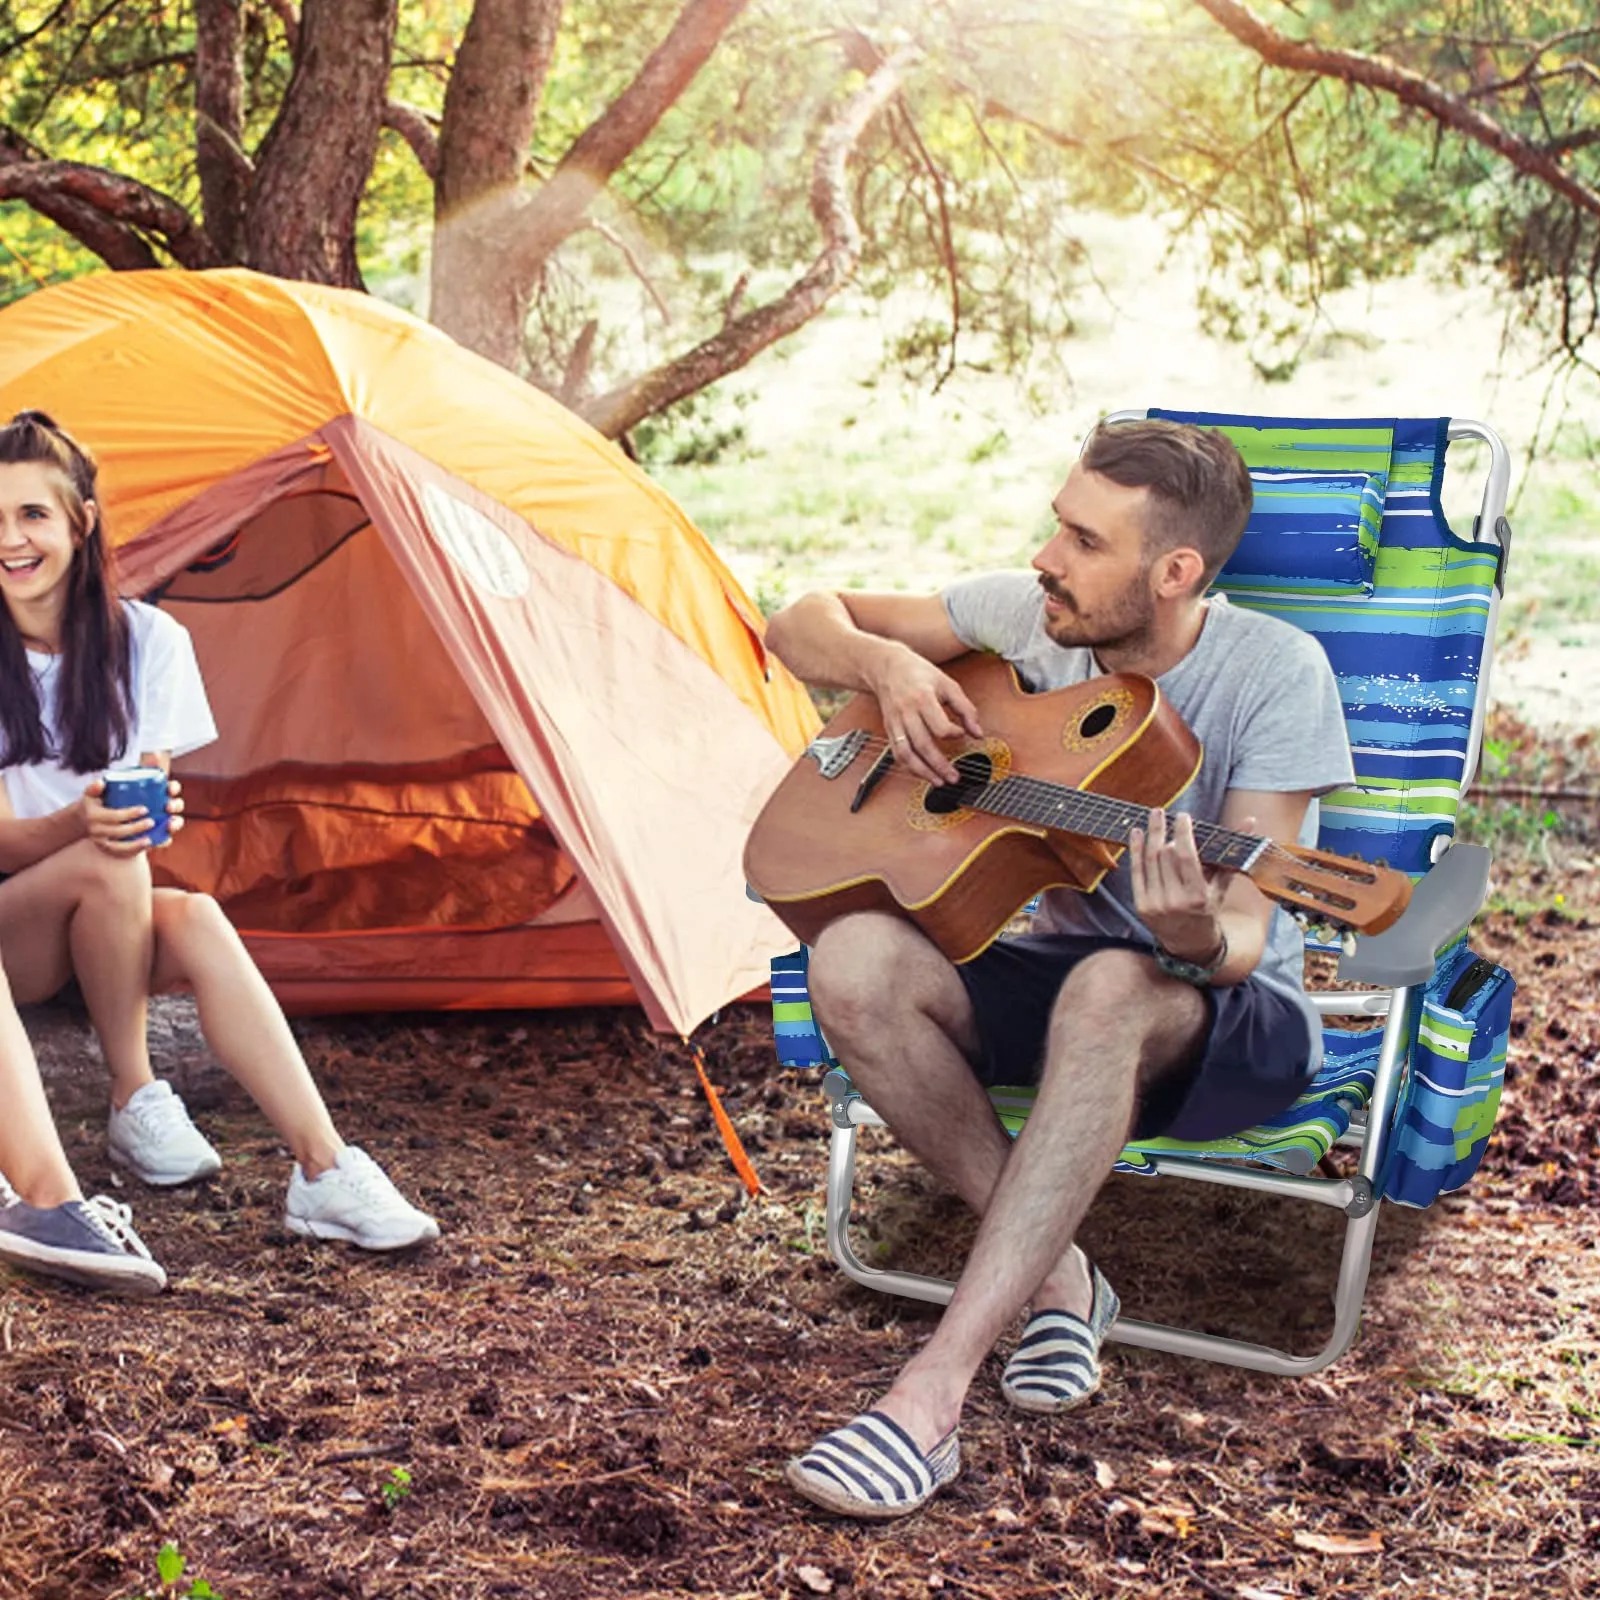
<point>834,755</point>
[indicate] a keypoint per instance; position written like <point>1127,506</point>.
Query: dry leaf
<point>1248,1591</point>
<point>815,1579</point>
<point>1104,1475</point>
<point>230,1425</point>
<point>1341,1544</point>
<point>1004,1516</point>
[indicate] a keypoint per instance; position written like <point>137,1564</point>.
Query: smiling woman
<point>90,681</point>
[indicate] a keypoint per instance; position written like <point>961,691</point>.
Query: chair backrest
<point>1405,610</point>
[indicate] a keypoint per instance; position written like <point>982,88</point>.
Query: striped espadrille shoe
<point>1057,1364</point>
<point>871,1468</point>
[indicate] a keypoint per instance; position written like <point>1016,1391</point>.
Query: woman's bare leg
<point>85,912</point>
<point>31,1156</point>
<point>197,948</point>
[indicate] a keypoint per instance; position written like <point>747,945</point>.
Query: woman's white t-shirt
<point>170,711</point>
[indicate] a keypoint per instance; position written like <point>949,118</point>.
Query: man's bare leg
<point>1115,1020</point>
<point>898,1015</point>
<point>899,1018</point>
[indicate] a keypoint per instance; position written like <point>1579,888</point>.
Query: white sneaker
<point>355,1201</point>
<point>153,1137</point>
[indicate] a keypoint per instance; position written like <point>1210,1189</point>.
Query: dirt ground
<point>590,1385</point>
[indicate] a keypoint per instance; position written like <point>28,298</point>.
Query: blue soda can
<point>140,786</point>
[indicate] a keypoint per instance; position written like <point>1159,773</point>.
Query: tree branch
<point>123,70</point>
<point>106,211</point>
<point>944,241</point>
<point>413,126</point>
<point>1576,139</point>
<point>556,210</point>
<point>1530,75</point>
<point>635,266</point>
<point>1410,88</point>
<point>739,341</point>
<point>26,36</point>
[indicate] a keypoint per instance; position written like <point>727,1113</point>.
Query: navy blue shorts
<point>1255,1061</point>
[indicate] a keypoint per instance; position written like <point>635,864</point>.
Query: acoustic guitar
<point>1046,798</point>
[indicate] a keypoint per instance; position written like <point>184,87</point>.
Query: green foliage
<point>1014,116</point>
<point>170,1568</point>
<point>696,432</point>
<point>395,1488</point>
<point>169,1564</point>
<point>1307,184</point>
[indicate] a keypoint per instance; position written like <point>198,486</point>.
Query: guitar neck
<point>1053,805</point>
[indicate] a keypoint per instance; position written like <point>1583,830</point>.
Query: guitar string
<point>1118,817</point>
<point>1105,809</point>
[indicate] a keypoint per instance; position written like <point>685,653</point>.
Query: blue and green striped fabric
<point>1406,655</point>
<point>1458,1066</point>
<point>795,1031</point>
<point>1312,530</point>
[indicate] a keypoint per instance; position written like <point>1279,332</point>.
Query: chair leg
<point>1353,1268</point>
<point>841,1186</point>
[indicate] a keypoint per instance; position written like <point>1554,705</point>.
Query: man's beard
<point>1123,624</point>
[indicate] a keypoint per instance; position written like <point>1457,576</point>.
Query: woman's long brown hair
<point>95,697</point>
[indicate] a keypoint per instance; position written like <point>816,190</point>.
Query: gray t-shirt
<point>1256,692</point>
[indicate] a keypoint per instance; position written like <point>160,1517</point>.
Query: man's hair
<point>1200,492</point>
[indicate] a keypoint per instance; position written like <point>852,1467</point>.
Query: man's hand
<point>922,705</point>
<point>1177,897</point>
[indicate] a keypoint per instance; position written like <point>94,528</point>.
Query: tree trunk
<point>314,164</point>
<point>220,160</point>
<point>492,239</point>
<point>489,108</point>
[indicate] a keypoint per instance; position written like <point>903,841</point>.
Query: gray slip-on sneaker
<point>88,1242</point>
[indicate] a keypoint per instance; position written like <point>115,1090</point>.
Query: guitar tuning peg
<point>1347,942</point>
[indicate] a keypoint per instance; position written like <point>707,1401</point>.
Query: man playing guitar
<point>1168,1001</point>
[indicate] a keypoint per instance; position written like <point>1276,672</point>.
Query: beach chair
<point>1348,540</point>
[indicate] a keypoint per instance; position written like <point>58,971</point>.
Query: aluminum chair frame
<point>1358,1196</point>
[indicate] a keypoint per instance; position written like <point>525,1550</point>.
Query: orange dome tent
<point>495,719</point>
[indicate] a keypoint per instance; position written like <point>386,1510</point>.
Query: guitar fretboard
<point>1054,805</point>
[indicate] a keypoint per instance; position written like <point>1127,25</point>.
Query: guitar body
<point>960,874</point>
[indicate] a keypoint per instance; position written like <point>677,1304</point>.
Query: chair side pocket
<point>1452,1093</point>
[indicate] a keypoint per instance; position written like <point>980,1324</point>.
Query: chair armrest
<point>1443,904</point>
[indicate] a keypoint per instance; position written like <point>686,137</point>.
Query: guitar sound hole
<point>976,770</point>
<point>1097,722</point>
